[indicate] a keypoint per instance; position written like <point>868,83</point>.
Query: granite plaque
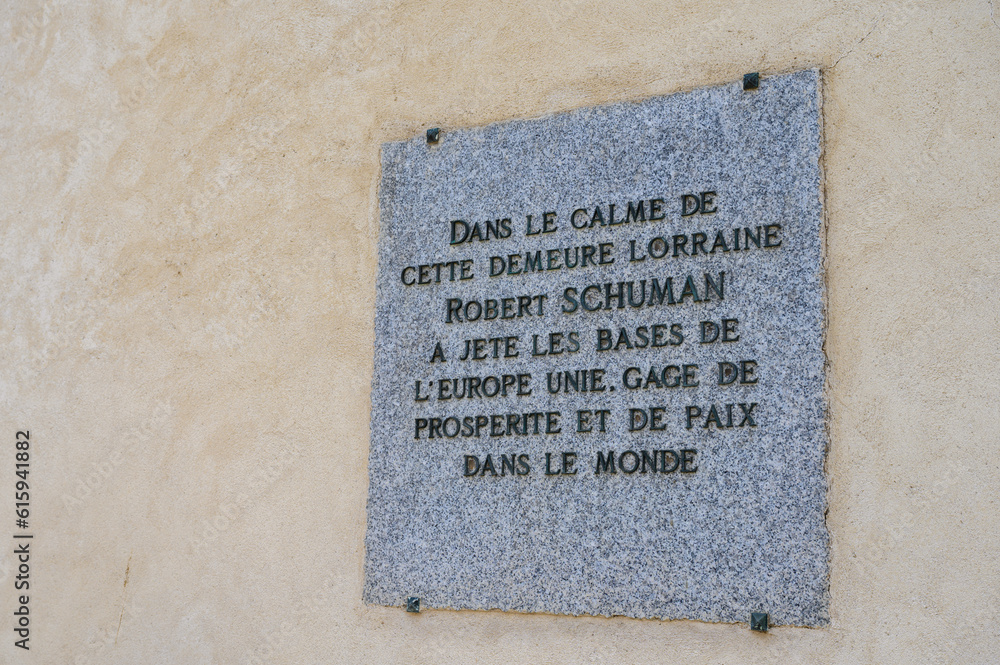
<point>599,369</point>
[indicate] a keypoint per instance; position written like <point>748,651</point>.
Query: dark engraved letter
<point>606,464</point>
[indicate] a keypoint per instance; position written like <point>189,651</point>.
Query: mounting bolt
<point>758,621</point>
<point>433,134</point>
<point>413,605</point>
<point>751,81</point>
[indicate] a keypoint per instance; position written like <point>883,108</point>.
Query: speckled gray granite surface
<point>743,528</point>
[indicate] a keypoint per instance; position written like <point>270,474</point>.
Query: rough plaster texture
<point>189,233</point>
<point>738,525</point>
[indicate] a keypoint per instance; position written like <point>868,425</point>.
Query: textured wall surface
<point>189,204</point>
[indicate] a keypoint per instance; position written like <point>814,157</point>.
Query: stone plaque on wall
<point>599,370</point>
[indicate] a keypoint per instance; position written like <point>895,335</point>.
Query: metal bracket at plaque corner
<point>759,621</point>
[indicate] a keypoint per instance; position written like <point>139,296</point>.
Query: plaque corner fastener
<point>759,622</point>
<point>413,604</point>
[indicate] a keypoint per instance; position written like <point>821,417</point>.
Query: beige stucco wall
<point>189,222</point>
